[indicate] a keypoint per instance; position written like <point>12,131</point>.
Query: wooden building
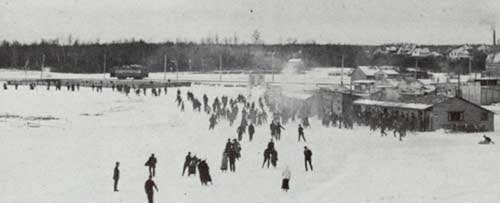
<point>453,113</point>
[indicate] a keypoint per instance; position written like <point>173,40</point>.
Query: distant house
<point>493,65</point>
<point>414,73</point>
<point>374,73</point>
<point>432,113</point>
<point>460,53</point>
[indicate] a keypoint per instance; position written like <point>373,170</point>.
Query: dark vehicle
<point>129,71</point>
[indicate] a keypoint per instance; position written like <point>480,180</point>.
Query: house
<point>415,73</point>
<point>374,73</point>
<point>324,101</point>
<point>460,53</point>
<point>493,65</point>
<point>436,112</point>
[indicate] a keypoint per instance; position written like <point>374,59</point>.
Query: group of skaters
<point>387,121</point>
<point>191,163</point>
<point>231,153</point>
<point>149,185</point>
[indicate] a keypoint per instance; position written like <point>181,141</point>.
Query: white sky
<point>324,21</point>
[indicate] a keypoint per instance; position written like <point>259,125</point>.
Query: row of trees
<point>93,57</point>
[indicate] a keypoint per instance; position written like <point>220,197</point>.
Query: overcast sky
<point>323,21</point>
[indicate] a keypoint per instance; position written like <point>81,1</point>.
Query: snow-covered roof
<point>370,102</point>
<point>363,81</point>
<point>371,70</point>
<point>493,58</point>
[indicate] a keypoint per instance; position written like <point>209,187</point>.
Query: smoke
<point>488,19</point>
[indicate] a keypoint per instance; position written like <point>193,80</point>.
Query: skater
<point>192,166</point>
<point>267,157</point>
<point>240,132</point>
<point>307,157</point>
<point>274,158</point>
<point>148,186</point>
<point>251,131</point>
<point>278,127</point>
<point>151,163</point>
<point>270,145</point>
<point>232,159</point>
<point>186,163</point>
<point>237,148</point>
<point>116,176</point>
<point>204,172</point>
<point>487,140</point>
<point>285,185</point>
<point>224,163</point>
<point>301,133</point>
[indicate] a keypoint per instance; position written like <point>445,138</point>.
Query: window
<point>456,116</point>
<point>484,116</point>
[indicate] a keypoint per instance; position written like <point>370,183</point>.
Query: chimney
<point>494,38</point>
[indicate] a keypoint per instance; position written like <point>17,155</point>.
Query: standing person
<point>240,132</point>
<point>192,166</point>
<point>116,176</point>
<point>204,172</point>
<point>232,159</point>
<point>307,157</point>
<point>301,133</point>
<point>148,186</point>
<point>267,157</point>
<point>224,163</point>
<point>237,148</point>
<point>186,163</point>
<point>274,158</point>
<point>285,185</point>
<point>279,127</point>
<point>251,131</point>
<point>151,163</point>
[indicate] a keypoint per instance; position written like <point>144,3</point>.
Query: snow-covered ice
<point>71,158</point>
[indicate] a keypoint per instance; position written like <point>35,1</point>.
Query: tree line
<point>96,57</point>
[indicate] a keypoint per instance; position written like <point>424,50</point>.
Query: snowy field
<point>61,147</point>
<point>314,76</point>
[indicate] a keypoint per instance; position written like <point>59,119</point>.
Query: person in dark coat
<point>151,163</point>
<point>186,163</point>
<point>487,140</point>
<point>148,187</point>
<point>240,132</point>
<point>301,133</point>
<point>237,148</point>
<point>270,145</point>
<point>251,131</point>
<point>204,171</point>
<point>192,166</point>
<point>307,157</point>
<point>274,158</point>
<point>267,157</point>
<point>232,159</point>
<point>116,176</point>
<point>279,127</point>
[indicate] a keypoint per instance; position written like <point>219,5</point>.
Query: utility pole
<point>220,68</point>
<point>342,72</point>
<point>43,65</point>
<point>416,67</point>
<point>176,70</point>
<point>272,64</point>
<point>104,66</point>
<point>470,65</point>
<point>26,69</point>
<point>164,67</point>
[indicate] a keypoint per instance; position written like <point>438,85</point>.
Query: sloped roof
<point>371,70</point>
<point>417,106</point>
